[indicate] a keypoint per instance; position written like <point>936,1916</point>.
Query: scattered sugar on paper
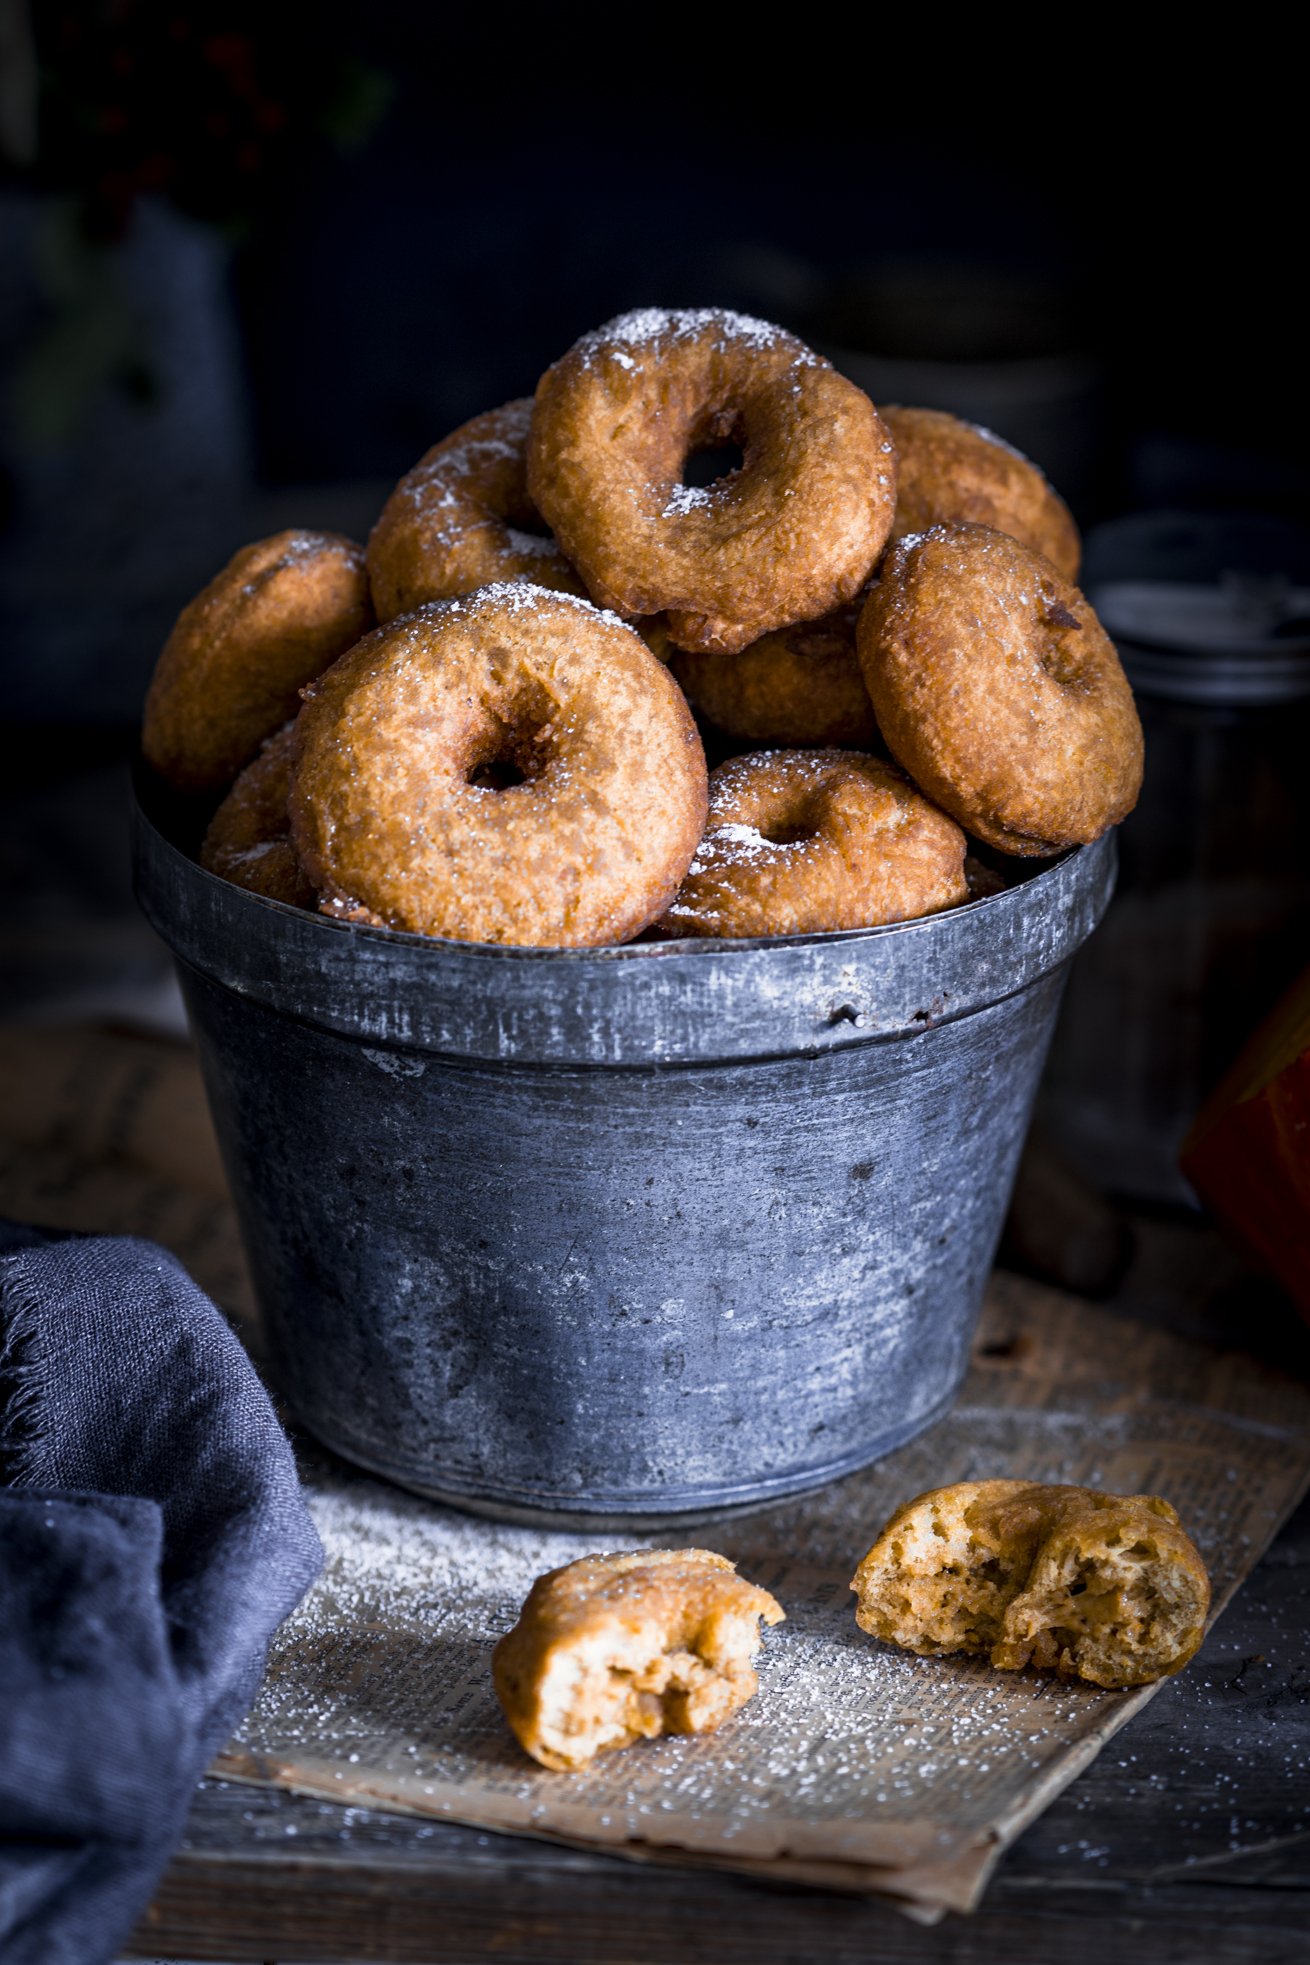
<point>390,1656</point>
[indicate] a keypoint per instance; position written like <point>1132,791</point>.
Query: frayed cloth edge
<point>23,1437</point>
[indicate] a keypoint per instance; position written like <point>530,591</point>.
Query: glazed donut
<point>996,687</point>
<point>249,837</point>
<point>511,767</point>
<point>949,472</point>
<point>232,670</point>
<point>788,536</point>
<point>799,842</point>
<point>462,519</point>
<point>801,685</point>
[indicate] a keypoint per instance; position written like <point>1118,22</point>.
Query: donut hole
<point>704,467</point>
<point>789,832</point>
<point>514,754</point>
<point>497,774</point>
<point>715,447</point>
<point>792,824</point>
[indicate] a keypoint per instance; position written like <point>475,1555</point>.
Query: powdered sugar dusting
<point>392,1553</point>
<point>656,329</point>
<point>469,481</point>
<point>312,545</point>
<point>733,845</point>
<point>252,855</point>
<point>452,468</point>
<point>1002,443</point>
<point>686,498</point>
<point>523,597</point>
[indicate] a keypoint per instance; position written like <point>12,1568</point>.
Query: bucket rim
<point>311,965</point>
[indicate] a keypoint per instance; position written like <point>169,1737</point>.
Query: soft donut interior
<point>623,1685</point>
<point>1096,1589</point>
<point>942,1585</point>
<point>1107,1612</point>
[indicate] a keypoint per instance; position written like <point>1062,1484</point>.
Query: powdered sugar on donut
<point>990,436</point>
<point>524,597</point>
<point>686,498</point>
<point>656,327</point>
<point>733,845</point>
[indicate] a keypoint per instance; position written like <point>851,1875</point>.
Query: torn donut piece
<point>1105,1587</point>
<point>612,1649</point>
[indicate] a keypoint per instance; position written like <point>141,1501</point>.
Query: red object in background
<point>1248,1153</point>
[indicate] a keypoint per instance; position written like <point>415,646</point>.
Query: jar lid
<point>1242,639</point>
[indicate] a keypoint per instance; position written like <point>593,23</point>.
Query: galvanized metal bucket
<point>620,1235</point>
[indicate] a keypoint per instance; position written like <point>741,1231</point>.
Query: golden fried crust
<point>462,518</point>
<point>787,537</point>
<point>231,671</point>
<point>1106,1587</point>
<point>801,685</point>
<point>954,473</point>
<point>249,837</point>
<point>996,687</point>
<point>799,842</point>
<point>619,1648</point>
<point>511,767</point>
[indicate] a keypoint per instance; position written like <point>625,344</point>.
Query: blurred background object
<point>1211,920</point>
<point>256,260</point>
<point>1248,1153</point>
<point>144,143</point>
<point>1004,347</point>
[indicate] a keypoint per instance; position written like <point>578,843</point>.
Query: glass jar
<point>1211,920</point>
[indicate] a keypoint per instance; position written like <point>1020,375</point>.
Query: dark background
<point>257,260</point>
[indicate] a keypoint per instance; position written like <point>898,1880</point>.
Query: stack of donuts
<point>491,724</point>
